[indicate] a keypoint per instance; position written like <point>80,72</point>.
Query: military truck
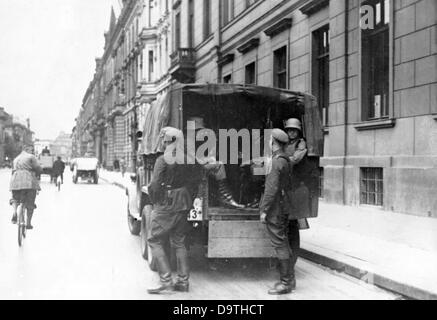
<point>225,232</point>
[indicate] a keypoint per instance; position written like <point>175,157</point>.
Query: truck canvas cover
<point>86,164</point>
<point>248,105</point>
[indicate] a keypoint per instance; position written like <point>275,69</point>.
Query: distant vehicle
<point>46,162</point>
<point>86,169</point>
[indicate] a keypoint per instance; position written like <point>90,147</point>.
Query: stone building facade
<point>130,75</point>
<point>370,63</point>
<point>62,146</point>
<point>13,134</point>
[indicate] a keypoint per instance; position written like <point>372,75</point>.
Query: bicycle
<point>22,214</point>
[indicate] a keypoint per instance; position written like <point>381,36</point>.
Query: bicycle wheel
<point>24,229</point>
<point>20,224</point>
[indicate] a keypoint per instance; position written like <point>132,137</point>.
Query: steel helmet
<point>293,123</point>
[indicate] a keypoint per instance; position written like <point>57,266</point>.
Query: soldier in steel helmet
<point>296,151</point>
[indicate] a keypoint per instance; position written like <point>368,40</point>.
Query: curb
<point>368,277</point>
<point>117,184</point>
<point>355,272</point>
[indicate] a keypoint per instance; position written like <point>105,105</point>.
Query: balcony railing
<point>183,62</point>
<point>183,56</point>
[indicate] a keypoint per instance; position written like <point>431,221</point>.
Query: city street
<point>81,249</point>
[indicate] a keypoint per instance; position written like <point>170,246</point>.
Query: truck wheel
<point>146,252</point>
<point>134,224</point>
<point>95,178</point>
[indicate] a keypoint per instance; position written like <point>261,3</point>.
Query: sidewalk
<point>391,250</point>
<point>116,178</point>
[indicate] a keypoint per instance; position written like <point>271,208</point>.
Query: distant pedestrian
<point>116,165</point>
<point>123,166</point>
<point>58,169</point>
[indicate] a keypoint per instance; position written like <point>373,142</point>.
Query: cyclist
<point>24,185</point>
<point>58,169</point>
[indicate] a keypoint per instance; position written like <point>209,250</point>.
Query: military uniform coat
<point>277,180</point>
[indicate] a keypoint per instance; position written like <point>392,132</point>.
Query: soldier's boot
<point>291,271</point>
<point>292,277</point>
<point>285,286</point>
<point>164,269</point>
<point>182,283</point>
<point>226,195</point>
<point>29,219</point>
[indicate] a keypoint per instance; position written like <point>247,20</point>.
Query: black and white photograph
<point>218,150</point>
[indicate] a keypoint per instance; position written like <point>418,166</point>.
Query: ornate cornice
<point>226,59</point>
<point>314,6</point>
<point>249,45</point>
<point>277,28</point>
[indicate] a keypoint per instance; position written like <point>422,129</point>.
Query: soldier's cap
<point>280,135</point>
<point>171,134</point>
<point>293,123</point>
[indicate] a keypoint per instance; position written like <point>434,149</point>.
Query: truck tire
<point>146,252</point>
<point>133,224</point>
<point>95,178</point>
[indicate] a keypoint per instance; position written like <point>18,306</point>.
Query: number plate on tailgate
<point>195,215</point>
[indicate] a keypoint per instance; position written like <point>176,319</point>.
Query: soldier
<point>172,191</point>
<point>273,214</point>
<point>296,150</point>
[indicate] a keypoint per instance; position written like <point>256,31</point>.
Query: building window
<point>250,73</point>
<point>227,78</point>
<point>178,31</point>
<point>280,68</point>
<point>375,61</point>
<point>206,18</point>
<point>150,12</point>
<point>228,11</point>
<point>151,64</point>
<point>321,182</point>
<point>372,186</point>
<point>320,70</point>
<point>191,23</point>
